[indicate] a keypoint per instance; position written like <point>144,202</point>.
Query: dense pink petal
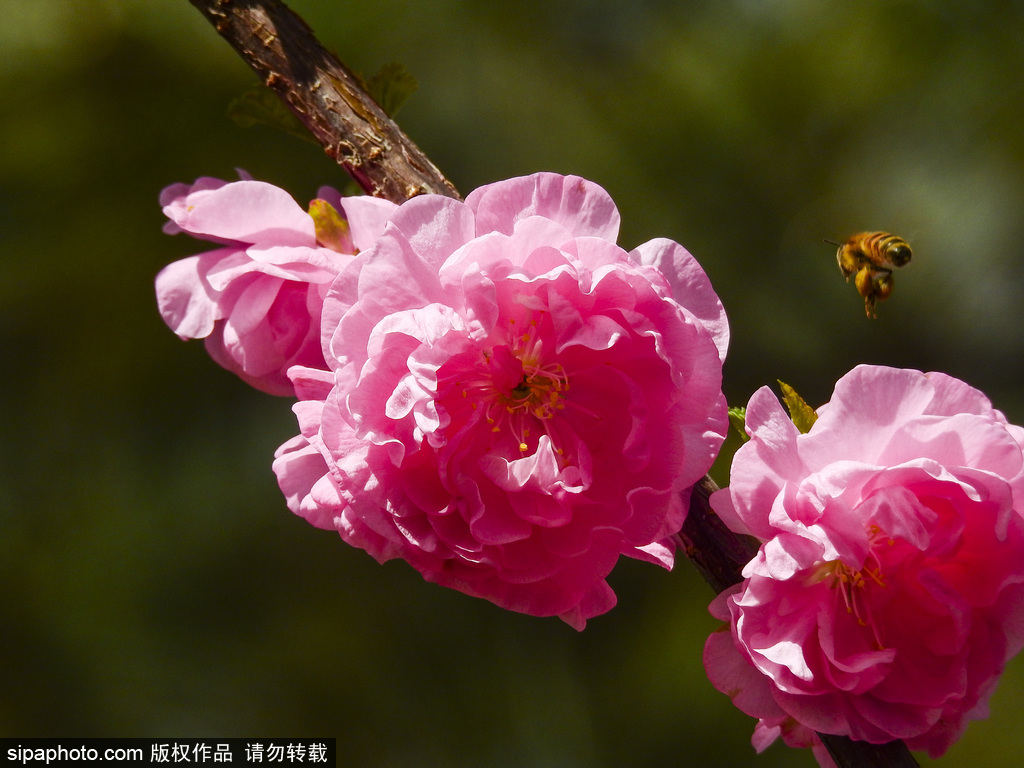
<point>882,604</point>
<point>515,401</point>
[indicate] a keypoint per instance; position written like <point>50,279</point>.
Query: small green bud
<point>332,229</point>
<point>738,420</point>
<point>799,411</point>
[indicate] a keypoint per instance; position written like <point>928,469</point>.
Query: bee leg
<point>874,284</point>
<point>869,307</point>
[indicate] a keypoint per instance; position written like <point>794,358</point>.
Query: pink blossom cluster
<point>888,591</point>
<point>497,393</point>
<point>492,390</point>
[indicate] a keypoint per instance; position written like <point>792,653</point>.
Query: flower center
<point>540,392</point>
<point>854,586</point>
<point>520,390</point>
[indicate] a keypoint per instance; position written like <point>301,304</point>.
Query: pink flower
<point>257,299</point>
<point>887,595</point>
<point>514,401</point>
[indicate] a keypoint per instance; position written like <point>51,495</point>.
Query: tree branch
<point>356,133</point>
<point>326,97</point>
<point>718,553</point>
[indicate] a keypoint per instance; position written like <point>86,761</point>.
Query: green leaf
<point>799,411</point>
<point>391,86</point>
<point>261,106</point>
<point>738,419</point>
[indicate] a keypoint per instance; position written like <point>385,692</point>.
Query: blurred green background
<point>152,581</point>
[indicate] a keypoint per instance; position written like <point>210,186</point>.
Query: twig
<point>718,553</point>
<point>332,104</point>
<point>326,97</point>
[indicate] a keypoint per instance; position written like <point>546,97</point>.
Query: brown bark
<point>326,97</point>
<point>718,553</point>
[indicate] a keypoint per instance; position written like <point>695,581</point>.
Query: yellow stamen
<point>537,398</point>
<point>853,587</point>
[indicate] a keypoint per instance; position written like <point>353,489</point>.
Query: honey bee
<point>871,257</point>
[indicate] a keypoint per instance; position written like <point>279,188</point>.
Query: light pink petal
<point>392,278</point>
<point>538,472</point>
<point>250,212</point>
<point>956,440</point>
<point>690,285</point>
<point>763,464</point>
<point>660,553</point>
<point>721,503</point>
<point>311,264</point>
<point>253,304</point>
<point>178,192</point>
<point>299,467</point>
<point>580,205</point>
<point>533,233</point>
<point>732,674</point>
<point>366,218</point>
<point>174,200</point>
<point>186,300</point>
<point>786,555</point>
<point>764,735</point>
<point>232,265</point>
<point>432,227</point>
<point>310,383</point>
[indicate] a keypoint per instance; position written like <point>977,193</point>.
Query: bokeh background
<point>152,581</point>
